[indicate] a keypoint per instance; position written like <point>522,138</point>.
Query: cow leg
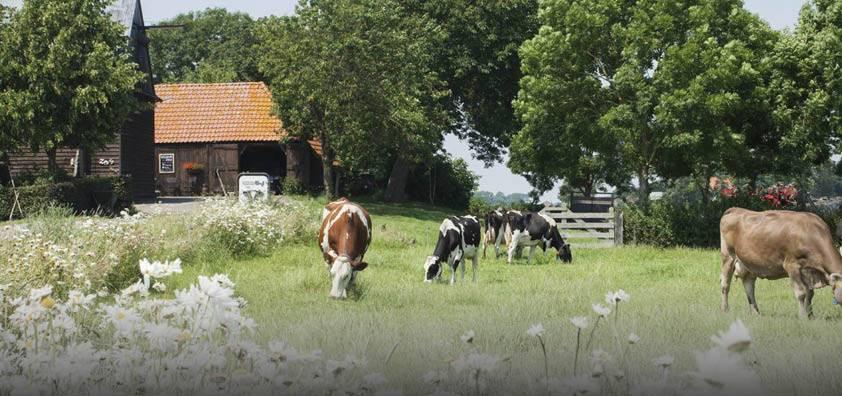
<point>498,240</point>
<point>728,265</point>
<point>803,293</point>
<point>474,266</point>
<point>463,272</point>
<point>513,245</point>
<point>748,284</point>
<point>531,252</point>
<point>454,264</point>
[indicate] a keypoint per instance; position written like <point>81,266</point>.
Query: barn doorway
<point>265,158</point>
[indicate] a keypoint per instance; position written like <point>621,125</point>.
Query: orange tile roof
<point>206,113</point>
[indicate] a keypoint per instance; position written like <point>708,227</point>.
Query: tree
<point>356,75</point>
<point>213,46</point>
<point>619,88</point>
<point>68,79</point>
<point>478,58</point>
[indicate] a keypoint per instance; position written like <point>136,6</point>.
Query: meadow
<point>419,338</point>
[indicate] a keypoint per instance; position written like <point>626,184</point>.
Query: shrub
<point>453,183</point>
<point>103,195</point>
<point>293,186</point>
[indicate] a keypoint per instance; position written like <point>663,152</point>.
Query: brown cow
<point>344,238</point>
<point>777,244</point>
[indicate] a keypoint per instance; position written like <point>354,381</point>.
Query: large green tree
<point>478,58</point>
<point>617,88</point>
<point>67,77</point>
<point>358,76</point>
<point>209,46</point>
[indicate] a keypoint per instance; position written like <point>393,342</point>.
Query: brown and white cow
<point>344,238</point>
<point>777,244</point>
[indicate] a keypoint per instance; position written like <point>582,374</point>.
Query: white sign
<point>253,187</point>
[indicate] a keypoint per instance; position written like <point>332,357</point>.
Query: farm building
<point>132,152</point>
<point>206,134</point>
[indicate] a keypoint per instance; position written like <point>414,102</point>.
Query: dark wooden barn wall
<point>225,157</point>
<point>137,153</point>
<point>24,162</point>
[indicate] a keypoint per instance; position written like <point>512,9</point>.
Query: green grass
<point>674,308</point>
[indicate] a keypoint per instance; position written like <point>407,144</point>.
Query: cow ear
<point>359,267</point>
<point>835,277</point>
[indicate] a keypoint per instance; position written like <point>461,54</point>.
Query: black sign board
<point>166,163</point>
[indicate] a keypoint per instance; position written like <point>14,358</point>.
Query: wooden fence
<point>598,230</point>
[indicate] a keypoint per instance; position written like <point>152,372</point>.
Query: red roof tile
<point>205,113</point>
<point>198,113</point>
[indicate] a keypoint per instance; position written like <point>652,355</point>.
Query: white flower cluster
<point>196,343</point>
<point>78,255</point>
<point>247,229</point>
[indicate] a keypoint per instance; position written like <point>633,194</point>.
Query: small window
<point>166,163</point>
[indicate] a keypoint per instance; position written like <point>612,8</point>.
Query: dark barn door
<point>224,167</point>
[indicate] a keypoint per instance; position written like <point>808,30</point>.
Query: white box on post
<point>253,187</point>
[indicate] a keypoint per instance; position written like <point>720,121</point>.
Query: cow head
<point>564,254</point>
<point>836,284</point>
<point>432,268</point>
<point>342,274</point>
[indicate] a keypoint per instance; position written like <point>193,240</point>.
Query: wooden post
<point>618,226</point>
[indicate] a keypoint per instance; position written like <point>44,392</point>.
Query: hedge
<point>104,195</point>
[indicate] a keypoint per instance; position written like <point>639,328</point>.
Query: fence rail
<point>605,228</point>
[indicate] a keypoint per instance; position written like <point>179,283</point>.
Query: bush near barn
<point>103,195</point>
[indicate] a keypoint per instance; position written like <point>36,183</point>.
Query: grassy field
<point>404,328</point>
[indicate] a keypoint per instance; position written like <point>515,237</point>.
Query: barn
<point>132,152</point>
<point>206,134</point>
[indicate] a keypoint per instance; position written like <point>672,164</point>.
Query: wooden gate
<point>224,168</point>
<point>595,230</point>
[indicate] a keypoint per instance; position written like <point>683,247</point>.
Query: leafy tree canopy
<point>358,76</point>
<point>478,58</point>
<point>213,46</point>
<point>618,88</point>
<point>66,77</point>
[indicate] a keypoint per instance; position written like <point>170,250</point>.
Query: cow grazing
<point>510,221</point>
<point>534,229</point>
<point>493,229</point>
<point>777,244</point>
<point>344,238</point>
<point>459,238</point>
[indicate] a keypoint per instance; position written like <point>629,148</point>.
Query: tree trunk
<point>643,190</point>
<point>327,166</point>
<point>52,163</point>
<point>396,189</point>
<point>79,163</point>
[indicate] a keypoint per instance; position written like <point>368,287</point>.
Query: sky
<point>780,14</point>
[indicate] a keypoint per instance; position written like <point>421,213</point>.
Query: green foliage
<point>613,89</point>
<point>101,195</point>
<point>478,58</point>
<point>480,206</point>
<point>502,199</point>
<point>450,180</point>
<point>66,77</point>
<point>293,186</point>
<point>214,46</point>
<point>825,182</point>
<point>358,76</point>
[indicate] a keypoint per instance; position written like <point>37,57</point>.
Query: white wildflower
<point>38,294</point>
<point>476,361</point>
<point>601,310</point>
<point>634,338</point>
<point>736,339</point>
<point>580,322</point>
<point>724,372</point>
<point>468,337</point>
<point>536,330</point>
<point>159,287</point>
<point>664,361</point>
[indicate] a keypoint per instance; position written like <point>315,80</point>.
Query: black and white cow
<point>494,222</point>
<point>511,219</point>
<point>538,229</point>
<point>459,238</point>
